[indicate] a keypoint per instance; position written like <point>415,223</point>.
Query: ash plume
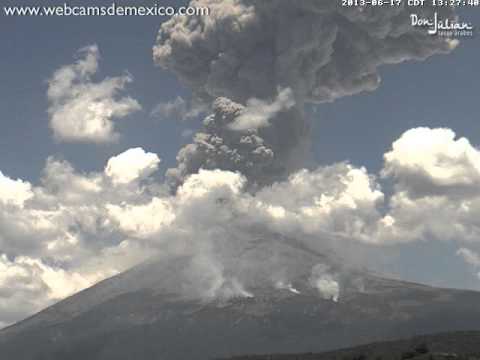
<point>224,143</point>
<point>249,49</point>
<point>257,64</point>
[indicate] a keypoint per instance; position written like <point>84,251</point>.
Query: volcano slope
<point>463,345</point>
<point>137,315</point>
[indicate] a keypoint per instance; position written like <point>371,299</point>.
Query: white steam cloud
<point>257,113</point>
<point>325,283</point>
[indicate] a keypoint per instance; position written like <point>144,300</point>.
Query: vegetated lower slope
<point>452,346</point>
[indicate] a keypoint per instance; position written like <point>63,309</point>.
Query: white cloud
<point>338,199</point>
<point>258,113</point>
<point>93,225</point>
<point>14,192</point>
<point>437,180</point>
<point>83,111</point>
<point>65,220</point>
<point>208,181</point>
<point>426,161</point>
<point>142,221</point>
<point>131,165</point>
<point>27,285</point>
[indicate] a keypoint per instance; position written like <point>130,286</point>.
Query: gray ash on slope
<point>133,315</point>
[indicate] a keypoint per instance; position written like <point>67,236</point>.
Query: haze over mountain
<point>136,315</point>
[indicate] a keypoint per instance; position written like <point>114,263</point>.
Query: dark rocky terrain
<point>458,345</point>
<point>136,315</point>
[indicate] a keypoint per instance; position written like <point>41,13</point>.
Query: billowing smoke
<point>225,143</point>
<point>325,282</point>
<point>256,64</point>
<point>248,51</point>
<point>319,49</point>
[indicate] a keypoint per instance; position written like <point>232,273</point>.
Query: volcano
<point>138,314</point>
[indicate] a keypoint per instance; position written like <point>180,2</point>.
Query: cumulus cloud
<point>212,216</point>
<point>338,199</point>
<point>426,161</point>
<point>82,110</point>
<point>133,164</point>
<point>345,201</point>
<point>27,285</point>
<point>221,239</point>
<point>91,227</point>
<point>436,181</point>
<point>66,221</point>
<point>143,220</point>
<point>14,192</point>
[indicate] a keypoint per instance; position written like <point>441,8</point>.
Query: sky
<point>79,206</point>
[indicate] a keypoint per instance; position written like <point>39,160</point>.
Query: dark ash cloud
<point>249,49</point>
